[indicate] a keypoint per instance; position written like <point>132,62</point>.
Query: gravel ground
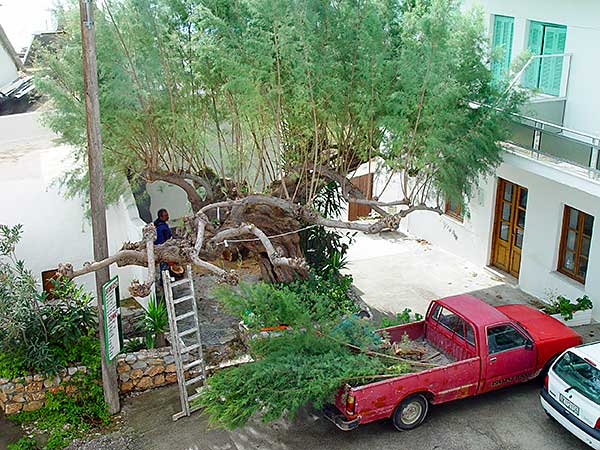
<point>111,441</point>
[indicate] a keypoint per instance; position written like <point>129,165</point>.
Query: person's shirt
<point>163,232</point>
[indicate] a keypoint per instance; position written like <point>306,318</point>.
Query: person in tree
<point>163,232</point>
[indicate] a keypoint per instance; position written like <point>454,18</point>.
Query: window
<point>502,46</point>
<point>579,374</point>
<point>546,73</point>
<point>454,209</point>
<point>575,243</point>
<point>504,337</point>
<point>454,323</point>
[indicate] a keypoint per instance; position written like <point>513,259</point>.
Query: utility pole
<point>92,108</point>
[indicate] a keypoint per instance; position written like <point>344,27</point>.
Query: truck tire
<point>410,413</point>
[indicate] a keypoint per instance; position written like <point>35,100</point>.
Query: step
<point>183,299</point>
<point>191,398</point>
<point>190,348</point>
<point>185,316</point>
<point>192,364</point>
<point>194,381</point>
<point>180,282</point>
<point>188,332</point>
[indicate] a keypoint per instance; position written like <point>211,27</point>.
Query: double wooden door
<point>509,226</point>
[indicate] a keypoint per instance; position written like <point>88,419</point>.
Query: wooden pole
<point>92,107</point>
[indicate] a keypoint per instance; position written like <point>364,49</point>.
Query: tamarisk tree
<point>253,106</point>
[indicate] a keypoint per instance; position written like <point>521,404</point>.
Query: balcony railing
<point>556,142</point>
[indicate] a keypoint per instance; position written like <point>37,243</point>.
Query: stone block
<point>8,388</point>
<point>12,408</point>
<point>154,370</point>
<point>34,386</point>
<point>171,378</point>
<point>32,406</point>
<point>124,377</point>
<point>130,358</point>
<point>3,397</point>
<point>169,359</point>
<point>126,387</point>
<point>144,383</point>
<point>158,380</point>
<point>19,398</point>
<point>38,395</point>
<point>137,373</point>
<point>123,367</point>
<point>19,387</point>
<point>170,368</point>
<point>140,365</point>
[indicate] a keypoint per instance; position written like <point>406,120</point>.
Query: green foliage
<point>25,443</point>
<point>290,371</point>
<point>36,333</point>
<point>134,345</point>
<point>400,318</point>
<point>566,308</point>
<point>214,86</point>
<point>296,304</point>
<point>65,417</point>
<point>155,321</point>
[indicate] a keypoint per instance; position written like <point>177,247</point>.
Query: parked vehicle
<point>488,348</point>
<point>571,392</point>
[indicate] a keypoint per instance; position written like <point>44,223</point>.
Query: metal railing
<point>530,74</point>
<point>557,142</point>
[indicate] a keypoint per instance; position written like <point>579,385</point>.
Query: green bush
<point>25,443</point>
<point>400,318</point>
<point>66,417</point>
<point>156,323</point>
<point>315,300</point>
<point>36,333</point>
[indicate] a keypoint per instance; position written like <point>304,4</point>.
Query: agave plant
<point>156,322</point>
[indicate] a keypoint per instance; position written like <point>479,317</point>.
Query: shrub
<point>36,333</point>
<point>400,318</point>
<point>566,308</point>
<point>156,322</point>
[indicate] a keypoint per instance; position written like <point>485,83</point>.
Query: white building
<point>55,229</point>
<point>538,219</point>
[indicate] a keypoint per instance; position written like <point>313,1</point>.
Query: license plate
<point>569,404</point>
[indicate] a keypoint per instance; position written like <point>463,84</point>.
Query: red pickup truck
<point>486,348</point>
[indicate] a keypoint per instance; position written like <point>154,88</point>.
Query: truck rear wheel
<point>410,413</point>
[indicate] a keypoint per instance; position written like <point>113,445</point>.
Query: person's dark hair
<point>160,211</point>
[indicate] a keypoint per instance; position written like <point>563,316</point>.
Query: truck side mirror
<point>528,345</point>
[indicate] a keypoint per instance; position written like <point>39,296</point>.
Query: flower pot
<point>579,318</point>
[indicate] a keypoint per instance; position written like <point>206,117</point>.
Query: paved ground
<point>394,272</point>
<point>510,419</point>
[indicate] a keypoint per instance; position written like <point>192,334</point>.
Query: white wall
<point>547,196</point>
<point>55,229</point>
<point>582,18</point>
<point>8,70</point>
<point>170,197</point>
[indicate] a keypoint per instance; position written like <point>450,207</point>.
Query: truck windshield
<point>580,374</point>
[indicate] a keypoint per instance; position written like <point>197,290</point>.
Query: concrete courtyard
<point>394,271</point>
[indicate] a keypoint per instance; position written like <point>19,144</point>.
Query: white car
<point>571,392</point>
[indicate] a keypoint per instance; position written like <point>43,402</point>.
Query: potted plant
<point>570,313</point>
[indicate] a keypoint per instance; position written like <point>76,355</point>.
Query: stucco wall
<point>55,229</point>
<point>583,34</point>
<point>8,71</point>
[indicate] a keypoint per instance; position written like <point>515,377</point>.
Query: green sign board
<point>113,329</point>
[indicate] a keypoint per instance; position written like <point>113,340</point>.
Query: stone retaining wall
<point>137,372</point>
<point>29,393</point>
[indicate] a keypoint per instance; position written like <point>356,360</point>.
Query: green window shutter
<point>502,46</point>
<point>536,36</point>
<point>551,68</point>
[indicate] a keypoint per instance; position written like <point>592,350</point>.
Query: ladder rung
<point>185,316</point>
<point>190,348</point>
<point>183,299</point>
<point>180,282</point>
<point>188,332</point>
<point>191,398</point>
<point>194,381</point>
<point>192,364</point>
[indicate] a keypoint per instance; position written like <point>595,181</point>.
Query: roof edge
<point>5,42</point>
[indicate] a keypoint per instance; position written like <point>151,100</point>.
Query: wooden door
<point>509,226</point>
<point>365,184</point>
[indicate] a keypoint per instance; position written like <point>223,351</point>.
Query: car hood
<point>540,326</point>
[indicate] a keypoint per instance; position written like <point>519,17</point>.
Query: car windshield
<point>580,374</point>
